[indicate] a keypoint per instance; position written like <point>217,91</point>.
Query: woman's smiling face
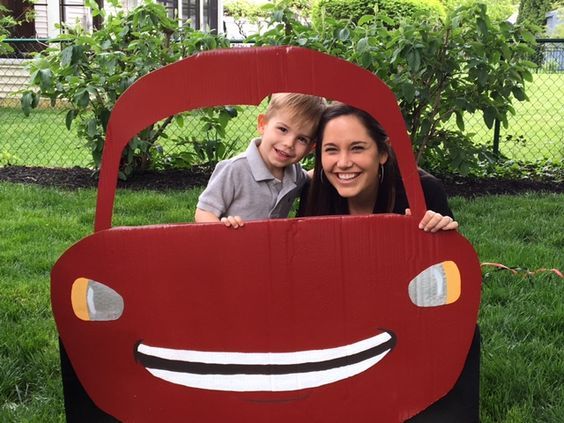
<point>350,157</point>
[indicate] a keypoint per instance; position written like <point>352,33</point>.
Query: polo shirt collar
<point>258,167</point>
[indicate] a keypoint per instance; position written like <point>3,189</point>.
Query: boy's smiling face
<point>286,139</point>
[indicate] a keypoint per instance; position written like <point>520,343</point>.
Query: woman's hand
<point>433,221</point>
<point>232,222</point>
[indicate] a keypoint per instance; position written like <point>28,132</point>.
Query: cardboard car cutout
<point>346,318</point>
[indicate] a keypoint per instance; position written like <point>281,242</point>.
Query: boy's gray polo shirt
<point>243,186</point>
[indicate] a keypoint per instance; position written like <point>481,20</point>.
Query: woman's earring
<point>321,176</point>
<point>381,173</point>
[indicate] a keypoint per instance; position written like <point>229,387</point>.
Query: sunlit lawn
<point>522,319</point>
<point>41,139</point>
<point>536,131</point>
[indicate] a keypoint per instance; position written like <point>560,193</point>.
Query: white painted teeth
<point>270,372</point>
<point>347,175</point>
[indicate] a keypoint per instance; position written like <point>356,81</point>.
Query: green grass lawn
<point>42,139</point>
<point>522,319</point>
<point>539,121</point>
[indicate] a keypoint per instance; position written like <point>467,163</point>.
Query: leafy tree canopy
<point>534,11</point>
<point>498,10</point>
<point>89,71</point>
<point>440,70</point>
<point>353,10</point>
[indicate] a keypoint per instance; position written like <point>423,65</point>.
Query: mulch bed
<point>75,178</point>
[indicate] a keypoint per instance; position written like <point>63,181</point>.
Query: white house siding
<point>553,19</point>
<point>41,21</point>
<point>76,13</point>
<point>14,77</point>
<point>48,13</point>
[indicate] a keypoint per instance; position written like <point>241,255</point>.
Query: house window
<point>171,7</point>
<point>73,12</point>
<point>191,11</point>
<point>210,14</point>
<point>202,14</point>
<point>40,19</point>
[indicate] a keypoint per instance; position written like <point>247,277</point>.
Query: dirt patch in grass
<point>75,178</point>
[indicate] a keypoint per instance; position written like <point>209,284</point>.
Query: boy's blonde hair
<point>307,107</point>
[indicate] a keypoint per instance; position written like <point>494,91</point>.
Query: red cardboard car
<point>330,319</point>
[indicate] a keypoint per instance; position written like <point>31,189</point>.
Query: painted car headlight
<point>436,286</point>
<point>94,301</point>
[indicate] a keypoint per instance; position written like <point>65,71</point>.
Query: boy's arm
<point>203,216</point>
<point>214,200</point>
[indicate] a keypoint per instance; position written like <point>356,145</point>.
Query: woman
<point>356,173</point>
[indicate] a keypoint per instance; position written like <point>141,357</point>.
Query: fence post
<point>496,138</point>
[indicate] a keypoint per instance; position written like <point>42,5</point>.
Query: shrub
<point>7,159</point>
<point>396,10</point>
<point>499,11</point>
<point>6,23</point>
<point>9,22</point>
<point>91,71</point>
<point>438,69</point>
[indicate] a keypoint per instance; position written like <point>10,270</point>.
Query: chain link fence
<point>535,132</point>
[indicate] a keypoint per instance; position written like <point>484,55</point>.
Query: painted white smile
<point>347,176</point>
<point>270,372</point>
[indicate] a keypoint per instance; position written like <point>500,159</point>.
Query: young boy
<point>263,182</point>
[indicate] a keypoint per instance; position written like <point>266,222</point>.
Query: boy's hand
<point>433,221</point>
<point>203,216</point>
<point>232,222</point>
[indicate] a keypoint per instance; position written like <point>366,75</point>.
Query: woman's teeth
<point>347,176</point>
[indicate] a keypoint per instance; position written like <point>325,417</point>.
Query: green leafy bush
<point>439,70</point>
<point>7,159</point>
<point>498,10</point>
<point>9,22</point>
<point>6,23</point>
<point>395,10</point>
<point>241,9</point>
<point>534,11</point>
<point>89,71</point>
<point>210,149</point>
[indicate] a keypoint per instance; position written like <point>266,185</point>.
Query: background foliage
<point>438,69</point>
<point>442,71</point>
<point>396,10</point>
<point>6,23</point>
<point>534,11</point>
<point>91,70</point>
<point>498,10</point>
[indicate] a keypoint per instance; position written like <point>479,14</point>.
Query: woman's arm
<point>439,216</point>
<point>435,195</point>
